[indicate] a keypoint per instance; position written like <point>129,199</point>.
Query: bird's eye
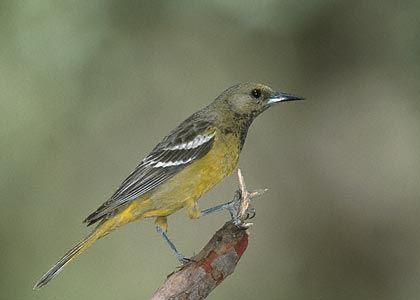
<point>256,93</point>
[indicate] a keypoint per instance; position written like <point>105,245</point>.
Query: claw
<point>185,260</point>
<point>239,208</point>
<point>251,212</point>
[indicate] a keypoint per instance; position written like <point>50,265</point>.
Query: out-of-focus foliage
<point>89,87</point>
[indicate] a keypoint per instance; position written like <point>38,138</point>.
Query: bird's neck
<point>230,122</point>
<point>236,125</point>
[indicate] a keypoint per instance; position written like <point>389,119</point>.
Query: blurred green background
<point>89,87</point>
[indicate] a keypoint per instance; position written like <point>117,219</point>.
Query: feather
<point>190,141</point>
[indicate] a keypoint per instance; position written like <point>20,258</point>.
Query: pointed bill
<point>283,97</point>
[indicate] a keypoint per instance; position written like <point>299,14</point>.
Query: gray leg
<point>224,206</point>
<point>232,207</point>
<point>181,258</point>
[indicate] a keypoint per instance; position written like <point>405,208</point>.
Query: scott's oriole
<point>189,161</point>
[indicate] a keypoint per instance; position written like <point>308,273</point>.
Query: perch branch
<point>218,258</point>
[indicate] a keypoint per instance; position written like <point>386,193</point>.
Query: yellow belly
<point>185,188</point>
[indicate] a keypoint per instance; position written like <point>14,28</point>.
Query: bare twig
<point>217,259</point>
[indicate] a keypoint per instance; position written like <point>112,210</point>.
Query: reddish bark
<point>208,268</point>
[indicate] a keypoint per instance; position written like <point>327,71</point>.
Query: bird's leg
<point>161,227</point>
<point>238,212</point>
<point>231,206</point>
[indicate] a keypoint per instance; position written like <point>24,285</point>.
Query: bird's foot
<point>241,209</point>
<point>183,260</point>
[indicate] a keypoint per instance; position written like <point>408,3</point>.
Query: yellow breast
<point>191,183</point>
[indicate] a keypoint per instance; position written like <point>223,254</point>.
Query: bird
<point>183,166</point>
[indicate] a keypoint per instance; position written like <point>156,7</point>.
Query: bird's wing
<point>190,141</point>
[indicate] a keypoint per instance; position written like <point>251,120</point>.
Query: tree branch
<point>218,259</point>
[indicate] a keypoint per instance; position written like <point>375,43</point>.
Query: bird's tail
<point>97,233</point>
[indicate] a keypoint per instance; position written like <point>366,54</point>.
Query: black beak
<point>280,97</point>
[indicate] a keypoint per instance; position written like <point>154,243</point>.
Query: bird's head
<point>248,100</point>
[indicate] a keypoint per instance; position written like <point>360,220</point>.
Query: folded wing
<point>187,143</point>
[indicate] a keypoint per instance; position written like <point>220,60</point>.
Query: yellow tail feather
<point>99,232</point>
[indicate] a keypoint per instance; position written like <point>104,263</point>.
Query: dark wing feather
<point>190,141</point>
